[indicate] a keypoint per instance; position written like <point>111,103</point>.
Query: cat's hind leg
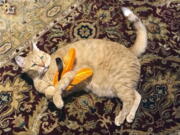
<point>134,108</point>
<point>127,97</point>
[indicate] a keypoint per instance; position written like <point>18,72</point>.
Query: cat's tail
<point>140,43</point>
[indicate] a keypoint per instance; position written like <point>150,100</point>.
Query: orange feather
<point>69,60</point>
<point>81,75</point>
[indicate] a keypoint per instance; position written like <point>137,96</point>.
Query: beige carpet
<point>22,20</point>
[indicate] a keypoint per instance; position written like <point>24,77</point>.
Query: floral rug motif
<point>22,20</point>
<point>23,111</point>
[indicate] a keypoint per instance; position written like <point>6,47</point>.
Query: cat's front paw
<point>49,92</point>
<point>59,104</point>
<point>57,100</point>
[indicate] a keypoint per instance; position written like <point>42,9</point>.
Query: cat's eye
<point>33,65</point>
<point>41,57</point>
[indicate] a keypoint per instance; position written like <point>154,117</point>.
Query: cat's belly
<point>101,91</point>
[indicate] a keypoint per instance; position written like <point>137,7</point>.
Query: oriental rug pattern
<point>23,111</point>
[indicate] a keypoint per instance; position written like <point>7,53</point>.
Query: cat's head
<point>36,62</point>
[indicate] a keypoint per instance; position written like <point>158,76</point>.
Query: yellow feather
<point>81,75</point>
<point>55,79</point>
<point>69,60</point>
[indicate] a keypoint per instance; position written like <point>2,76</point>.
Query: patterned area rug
<point>22,20</point>
<point>23,111</point>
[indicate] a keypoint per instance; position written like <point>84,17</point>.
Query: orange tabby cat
<point>116,69</point>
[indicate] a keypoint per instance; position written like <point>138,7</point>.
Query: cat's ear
<point>33,47</point>
<point>19,60</point>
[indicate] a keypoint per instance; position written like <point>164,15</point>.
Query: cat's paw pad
<point>119,120</point>
<point>130,118</point>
